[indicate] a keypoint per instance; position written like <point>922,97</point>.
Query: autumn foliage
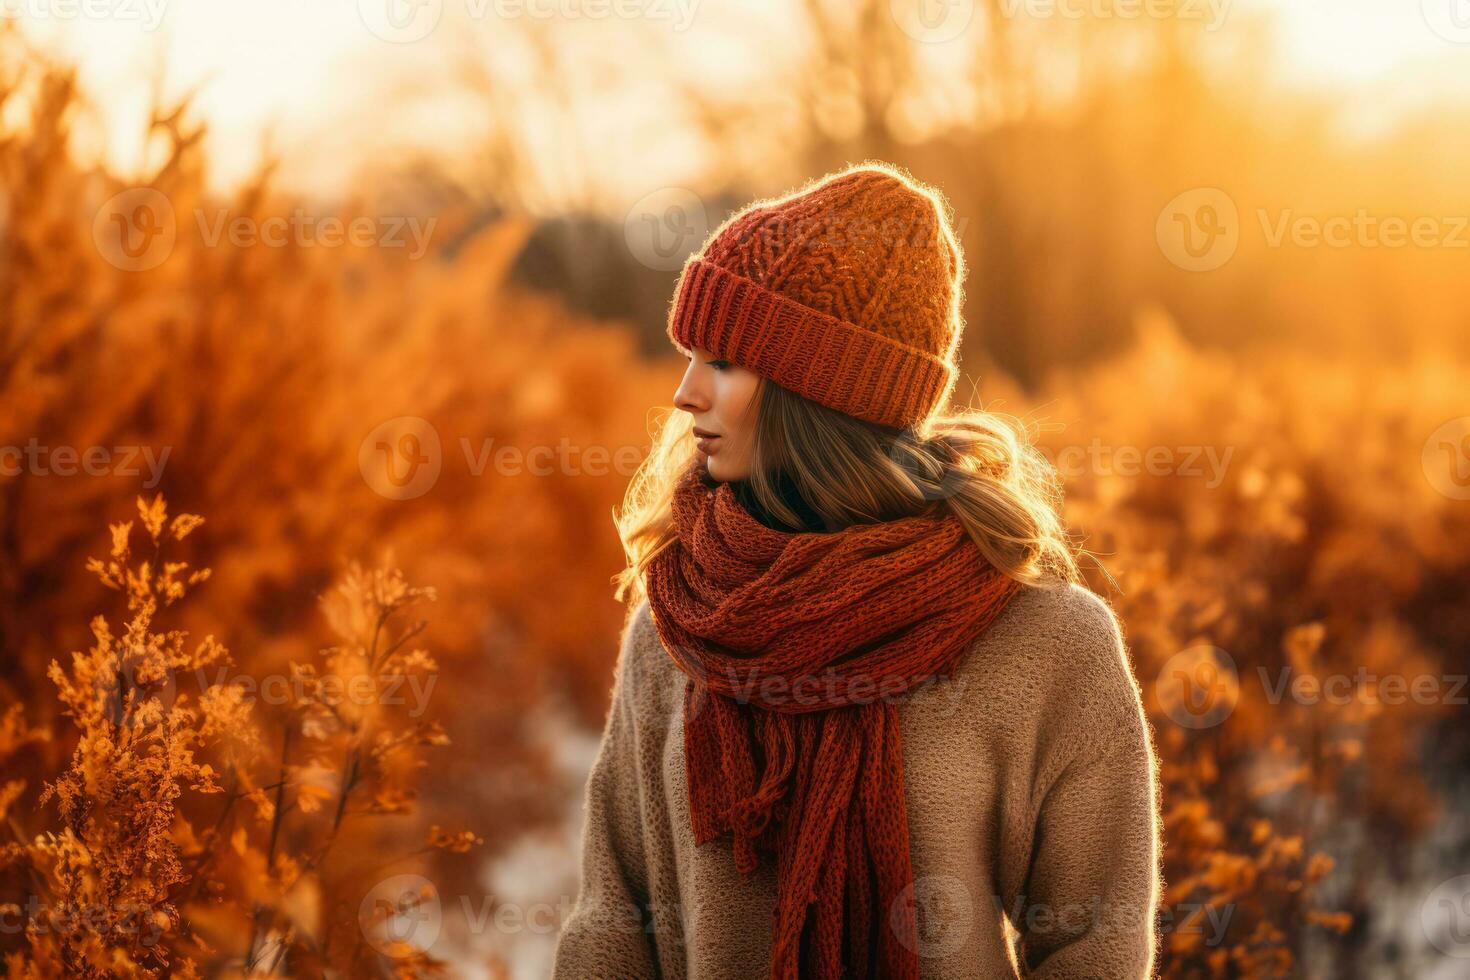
<point>128,883</point>
<point>238,756</point>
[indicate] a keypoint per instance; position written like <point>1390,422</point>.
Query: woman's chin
<point>719,470</point>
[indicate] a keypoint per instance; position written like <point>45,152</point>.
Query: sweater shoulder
<point>644,670</point>
<point>640,636</point>
<point>637,619</point>
<point>1060,650</point>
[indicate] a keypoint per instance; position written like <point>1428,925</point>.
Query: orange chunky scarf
<point>796,647</point>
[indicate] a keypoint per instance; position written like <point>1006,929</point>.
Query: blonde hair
<point>981,465</point>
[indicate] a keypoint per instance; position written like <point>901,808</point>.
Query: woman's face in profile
<point>720,396</point>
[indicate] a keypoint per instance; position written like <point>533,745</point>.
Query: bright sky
<point>317,73</point>
<point>1327,42</point>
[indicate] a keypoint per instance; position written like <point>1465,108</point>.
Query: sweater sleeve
<point>606,934</point>
<point>1093,884</point>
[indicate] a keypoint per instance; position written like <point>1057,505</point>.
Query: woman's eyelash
<point>716,363</point>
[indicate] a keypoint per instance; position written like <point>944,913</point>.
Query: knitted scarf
<point>797,647</point>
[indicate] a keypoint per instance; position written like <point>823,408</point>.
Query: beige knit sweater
<point>1032,797</point>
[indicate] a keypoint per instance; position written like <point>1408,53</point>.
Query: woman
<point>866,722</point>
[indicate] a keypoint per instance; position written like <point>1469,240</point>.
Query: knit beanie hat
<point>846,292</point>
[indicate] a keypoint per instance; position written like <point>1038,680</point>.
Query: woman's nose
<point>688,397</point>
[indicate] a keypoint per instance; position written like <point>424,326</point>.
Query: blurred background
<point>385,282</point>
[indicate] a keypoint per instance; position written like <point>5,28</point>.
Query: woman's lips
<point>706,443</point>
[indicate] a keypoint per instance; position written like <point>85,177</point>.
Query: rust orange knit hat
<point>846,291</point>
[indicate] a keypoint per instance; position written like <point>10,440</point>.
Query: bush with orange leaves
<point>262,372</point>
<point>1273,594</point>
<point>127,883</point>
